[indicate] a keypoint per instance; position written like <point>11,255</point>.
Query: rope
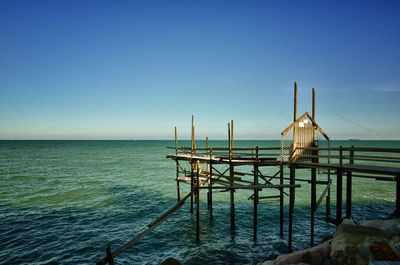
<point>355,123</point>
<point>285,109</point>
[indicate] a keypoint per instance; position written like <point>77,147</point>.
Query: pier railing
<point>233,153</point>
<point>378,157</point>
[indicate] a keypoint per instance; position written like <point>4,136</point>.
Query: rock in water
<point>171,261</point>
<point>315,255</point>
<point>356,245</point>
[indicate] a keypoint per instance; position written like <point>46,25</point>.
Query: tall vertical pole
<point>232,137</point>
<point>313,175</point>
<point>208,171</point>
<point>231,174</point>
<point>291,206</point>
<point>191,185</point>
<point>313,104</point>
<point>294,119</point>
<point>192,136</point>
<point>313,201</point>
<point>339,175</point>
<point>255,201</point>
<point>232,193</point>
<point>177,166</point>
<point>339,196</point>
<point>191,167</point>
<point>281,201</point>
<point>210,183</point>
<point>397,211</point>
<point>197,206</point>
<point>295,102</point>
<point>349,184</point>
<point>229,140</point>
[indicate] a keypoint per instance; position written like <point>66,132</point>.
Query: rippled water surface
<point>64,202</point>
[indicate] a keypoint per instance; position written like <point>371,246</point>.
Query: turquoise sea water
<point>64,202</point>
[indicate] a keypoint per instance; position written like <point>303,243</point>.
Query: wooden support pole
<point>229,141</point>
<point>339,196</point>
<point>295,102</point>
<point>328,196</point>
<point>178,189</point>
<point>255,201</point>
<point>191,186</point>
<point>177,167</point>
<point>291,206</point>
<point>231,174</point>
<point>313,202</point>
<point>109,256</point>
<point>232,196</point>
<point>397,211</point>
<point>295,137</point>
<point>207,169</point>
<point>232,137</point>
<point>313,104</point>
<point>210,184</point>
<point>349,185</point>
<point>281,201</point>
<point>194,141</point>
<point>197,206</point>
<point>192,136</point>
<point>348,193</point>
<point>176,142</point>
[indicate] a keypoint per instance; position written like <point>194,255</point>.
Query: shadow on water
<point>69,235</point>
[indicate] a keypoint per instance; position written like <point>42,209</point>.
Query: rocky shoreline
<point>372,242</point>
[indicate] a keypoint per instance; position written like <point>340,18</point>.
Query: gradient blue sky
<point>136,69</point>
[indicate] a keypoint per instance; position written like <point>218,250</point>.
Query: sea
<point>65,202</point>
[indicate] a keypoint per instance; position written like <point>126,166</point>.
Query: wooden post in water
<point>291,206</point>
<point>313,176</point>
<point>232,197</point>
<point>177,167</point>
<point>339,196</point>
<point>192,166</point>
<point>255,201</point>
<point>207,169</point>
<point>197,206</point>
<point>328,196</point>
<point>313,202</point>
<point>281,201</point>
<point>397,211</point>
<point>210,183</point>
<point>191,185</point>
<point>109,256</point>
<point>349,184</point>
<point>339,188</point>
<point>231,174</point>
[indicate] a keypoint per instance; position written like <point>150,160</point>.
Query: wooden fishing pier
<point>231,169</point>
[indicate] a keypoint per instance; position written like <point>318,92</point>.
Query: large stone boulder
<point>390,227</point>
<point>359,244</point>
<point>315,255</point>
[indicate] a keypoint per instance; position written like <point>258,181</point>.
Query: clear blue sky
<point>135,69</point>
